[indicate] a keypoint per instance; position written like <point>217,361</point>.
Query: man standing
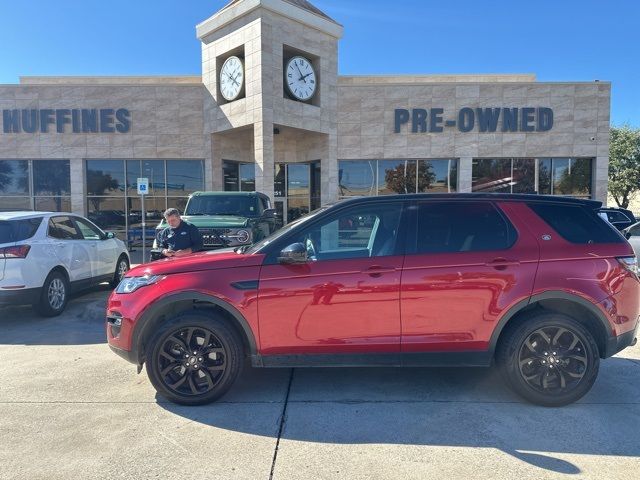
<point>180,237</point>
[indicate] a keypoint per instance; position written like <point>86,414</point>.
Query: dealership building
<point>270,113</point>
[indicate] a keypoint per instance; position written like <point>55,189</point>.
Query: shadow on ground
<point>81,323</point>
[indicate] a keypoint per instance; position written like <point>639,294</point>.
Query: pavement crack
<point>283,418</point>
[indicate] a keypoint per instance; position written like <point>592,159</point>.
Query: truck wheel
<point>194,359</point>
<point>549,359</point>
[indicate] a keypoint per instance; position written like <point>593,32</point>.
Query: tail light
<point>630,263</point>
<point>18,251</point>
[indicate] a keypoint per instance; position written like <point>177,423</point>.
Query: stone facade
<point>350,117</point>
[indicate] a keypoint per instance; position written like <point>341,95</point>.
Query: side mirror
<point>627,234</point>
<point>270,213</point>
<point>109,235</point>
<point>293,254</point>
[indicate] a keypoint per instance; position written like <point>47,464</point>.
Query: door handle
<point>377,270</point>
<point>502,263</point>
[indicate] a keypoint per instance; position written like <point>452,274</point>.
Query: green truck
<point>229,219</point>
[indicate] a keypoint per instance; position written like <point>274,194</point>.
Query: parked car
<point>541,286</point>
<point>229,219</point>
<point>632,234</point>
<point>45,256</point>
<point>620,218</point>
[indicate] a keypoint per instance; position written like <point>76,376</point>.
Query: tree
<point>97,183</point>
<point>402,179</point>
<point>624,164</point>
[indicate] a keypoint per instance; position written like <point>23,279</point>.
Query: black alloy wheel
<point>195,359</point>
<point>122,267</point>
<point>549,359</point>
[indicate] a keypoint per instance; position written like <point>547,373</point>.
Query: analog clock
<point>300,78</point>
<point>231,78</point>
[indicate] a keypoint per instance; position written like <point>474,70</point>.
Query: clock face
<point>231,78</point>
<point>300,78</point>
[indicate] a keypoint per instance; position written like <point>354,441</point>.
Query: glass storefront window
<point>357,178</point>
<point>230,172</point>
<point>388,177</point>
<point>437,176</point>
<point>572,176</point>
<point>177,202</point>
<point>35,184</point>
<point>8,204</point>
<point>150,169</point>
<point>107,212</point>
<point>547,176</point>
<point>491,175</point>
<point>51,178</point>
<point>106,178</point>
<point>280,182</point>
<point>247,177</point>
<point>14,177</point>
<point>184,177</point>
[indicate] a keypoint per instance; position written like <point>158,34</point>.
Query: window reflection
<point>51,177</point>
<point>14,177</point>
<point>184,176</point>
<point>357,178</point>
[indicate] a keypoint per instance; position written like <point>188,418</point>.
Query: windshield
<point>283,231</point>
<point>236,205</point>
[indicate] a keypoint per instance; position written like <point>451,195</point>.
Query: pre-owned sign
<point>516,119</point>
<point>80,120</point>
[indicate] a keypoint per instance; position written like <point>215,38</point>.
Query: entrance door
<point>296,189</point>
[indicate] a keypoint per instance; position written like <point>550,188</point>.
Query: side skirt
<point>426,359</point>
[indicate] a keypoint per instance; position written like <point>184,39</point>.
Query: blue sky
<point>561,40</point>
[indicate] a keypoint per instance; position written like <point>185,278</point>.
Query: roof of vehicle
<point>509,197</point>
<point>238,194</point>
<point>27,214</point>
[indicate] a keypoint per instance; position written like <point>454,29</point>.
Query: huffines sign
<point>66,120</point>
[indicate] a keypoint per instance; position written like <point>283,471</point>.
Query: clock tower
<point>270,68</point>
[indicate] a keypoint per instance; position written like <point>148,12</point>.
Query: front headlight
<point>131,284</point>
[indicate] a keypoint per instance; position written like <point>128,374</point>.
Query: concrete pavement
<point>70,408</point>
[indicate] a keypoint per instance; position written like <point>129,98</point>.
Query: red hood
<point>211,260</point>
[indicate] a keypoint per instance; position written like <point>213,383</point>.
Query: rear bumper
<point>23,296</point>
<point>619,343</point>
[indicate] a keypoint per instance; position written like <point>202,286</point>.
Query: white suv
<point>45,256</point>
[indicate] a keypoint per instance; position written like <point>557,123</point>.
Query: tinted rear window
<point>462,227</point>
<point>577,224</point>
<point>18,230</point>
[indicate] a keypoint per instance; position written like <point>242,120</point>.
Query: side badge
<point>546,238</point>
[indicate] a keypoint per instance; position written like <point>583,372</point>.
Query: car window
<point>369,230</point>
<point>635,230</point>
<point>63,228</point>
<point>617,217</point>
<point>18,230</point>
<point>462,227</point>
<point>88,231</point>
<point>577,224</point>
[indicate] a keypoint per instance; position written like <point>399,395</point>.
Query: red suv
<point>542,286</point>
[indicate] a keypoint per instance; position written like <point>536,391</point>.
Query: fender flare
<point>150,313</point>
<point>549,295</point>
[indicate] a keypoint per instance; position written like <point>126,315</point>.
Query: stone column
<point>465,167</point>
<point>264,157</point>
<point>329,170</point>
<point>215,175</point>
<point>78,186</point>
<point>601,179</point>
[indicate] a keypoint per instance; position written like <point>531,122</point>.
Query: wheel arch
<point>183,302</point>
<point>568,304</point>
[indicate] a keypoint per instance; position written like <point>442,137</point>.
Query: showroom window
<point>114,204</point>
<point>35,185</point>
<point>551,176</point>
<point>390,177</point>
<point>238,176</point>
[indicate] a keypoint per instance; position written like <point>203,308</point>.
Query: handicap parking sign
<point>143,186</point>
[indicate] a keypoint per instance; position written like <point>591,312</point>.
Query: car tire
<point>122,267</point>
<point>54,295</point>
<point>549,359</point>
<point>194,359</point>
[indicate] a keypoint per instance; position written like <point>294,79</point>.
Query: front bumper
<point>23,296</point>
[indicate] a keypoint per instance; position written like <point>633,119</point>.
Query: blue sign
<point>525,119</point>
<point>80,120</point>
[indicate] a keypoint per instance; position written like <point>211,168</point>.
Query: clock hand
<point>300,72</point>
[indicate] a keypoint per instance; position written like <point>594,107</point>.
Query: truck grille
<point>211,237</point>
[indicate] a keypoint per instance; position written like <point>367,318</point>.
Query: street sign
<point>143,186</point>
